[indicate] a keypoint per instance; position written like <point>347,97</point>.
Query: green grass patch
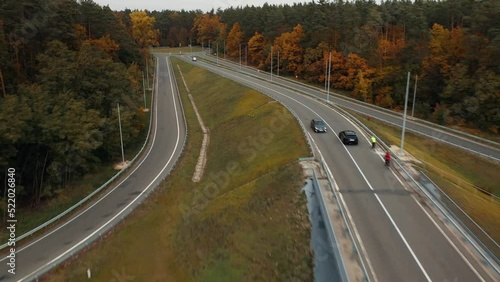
<point>456,172</point>
<point>245,221</point>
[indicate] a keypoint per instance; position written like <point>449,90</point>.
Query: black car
<point>348,137</point>
<point>318,125</point>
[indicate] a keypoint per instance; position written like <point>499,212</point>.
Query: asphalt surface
<point>402,240</point>
<point>470,143</point>
<point>167,139</point>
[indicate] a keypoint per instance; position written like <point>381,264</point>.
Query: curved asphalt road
<point>167,136</point>
<point>402,240</point>
<point>461,140</point>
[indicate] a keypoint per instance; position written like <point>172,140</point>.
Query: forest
<point>453,46</point>
<point>66,64</point>
<point>64,67</point>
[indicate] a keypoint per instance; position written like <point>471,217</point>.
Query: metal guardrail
<point>429,136</point>
<point>109,225</point>
<point>366,104</point>
<point>448,214</point>
<point>463,224</point>
<point>118,174</point>
<point>438,205</point>
<point>333,186</point>
<point>428,123</point>
<point>329,229</point>
<point>326,216</point>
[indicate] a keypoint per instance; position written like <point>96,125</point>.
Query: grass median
<point>457,172</point>
<point>245,221</point>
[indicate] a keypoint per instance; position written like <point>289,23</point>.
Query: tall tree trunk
<point>17,62</point>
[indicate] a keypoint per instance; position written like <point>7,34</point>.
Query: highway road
<point>167,139</point>
<point>402,239</point>
<point>468,142</point>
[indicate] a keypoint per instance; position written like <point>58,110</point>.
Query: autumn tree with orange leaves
<point>106,44</point>
<point>234,39</point>
<point>142,29</point>
<point>291,52</point>
<point>256,46</point>
<point>209,28</point>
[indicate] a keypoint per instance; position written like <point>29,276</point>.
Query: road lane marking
<point>238,78</point>
<point>138,196</point>
<point>100,199</point>
<point>356,233</point>
<point>362,174</point>
<point>317,93</point>
<point>449,240</point>
<point>429,216</point>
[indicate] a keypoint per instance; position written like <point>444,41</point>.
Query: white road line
<point>356,233</point>
<point>136,198</point>
<point>95,203</point>
<point>443,233</point>
<point>430,217</point>
<point>449,240</point>
<point>390,217</point>
<point>100,199</point>
<point>379,200</point>
<point>364,177</point>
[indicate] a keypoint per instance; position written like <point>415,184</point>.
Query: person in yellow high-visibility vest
<point>374,140</point>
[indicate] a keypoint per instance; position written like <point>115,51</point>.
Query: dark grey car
<point>348,137</point>
<point>318,125</point>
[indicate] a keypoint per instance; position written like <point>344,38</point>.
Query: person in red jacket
<point>387,158</point>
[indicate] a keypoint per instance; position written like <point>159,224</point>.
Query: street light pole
<point>121,135</point>
<point>271,63</point>
<point>404,115</point>
<point>240,56</point>
<point>278,63</point>
<point>217,52</point>
<point>144,89</point>
<point>147,73</point>
<point>329,72</point>
<point>414,96</point>
<point>326,73</point>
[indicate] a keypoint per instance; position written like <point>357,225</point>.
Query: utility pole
<point>121,135</point>
<point>404,115</point>
<point>147,73</point>
<point>326,73</point>
<point>271,63</point>
<point>278,63</point>
<point>329,72</point>
<point>144,90</point>
<point>414,96</point>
